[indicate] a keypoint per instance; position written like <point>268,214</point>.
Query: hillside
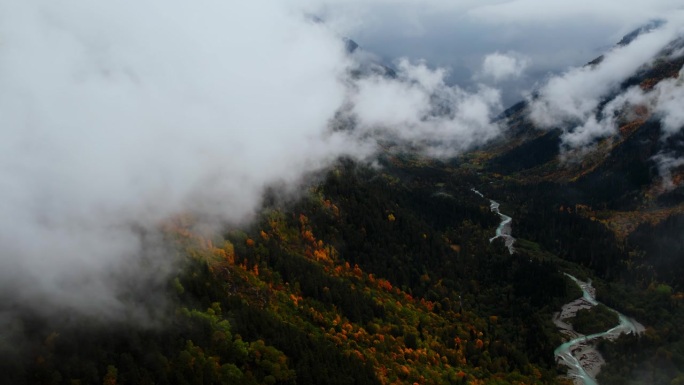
<point>621,198</point>
<point>375,277</point>
<point>618,171</point>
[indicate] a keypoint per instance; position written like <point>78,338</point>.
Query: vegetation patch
<point>595,320</point>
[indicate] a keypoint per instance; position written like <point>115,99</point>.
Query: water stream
<point>579,353</point>
<point>504,229</point>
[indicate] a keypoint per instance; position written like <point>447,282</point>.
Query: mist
<point>461,34</point>
<point>117,117</point>
<point>587,103</point>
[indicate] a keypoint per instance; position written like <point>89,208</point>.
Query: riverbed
<point>504,230</point>
<point>579,353</point>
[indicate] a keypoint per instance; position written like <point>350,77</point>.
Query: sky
<point>118,116</point>
<point>459,35</point>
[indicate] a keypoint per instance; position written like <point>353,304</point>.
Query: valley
<point>373,271</point>
<point>403,236</point>
<point>579,353</point>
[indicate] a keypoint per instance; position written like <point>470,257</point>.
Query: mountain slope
<point>621,171</point>
<point>376,277</point>
<point>388,275</point>
<point>620,197</point>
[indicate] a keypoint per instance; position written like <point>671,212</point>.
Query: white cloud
<point>575,95</point>
<point>112,122</point>
<point>423,111</point>
<point>117,116</point>
<point>669,99</point>
<point>666,162</point>
<point>581,101</point>
<point>502,66</point>
<point>459,34</point>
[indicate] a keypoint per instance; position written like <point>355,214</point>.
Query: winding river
<point>579,353</point>
<point>504,229</point>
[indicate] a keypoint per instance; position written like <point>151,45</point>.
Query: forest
<point>381,276</point>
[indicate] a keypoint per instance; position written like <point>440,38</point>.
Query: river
<point>579,354</point>
<point>504,229</point>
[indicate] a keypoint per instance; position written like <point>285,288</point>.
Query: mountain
<point>367,64</point>
<point>616,172</point>
<point>389,274</point>
<point>628,183</point>
<point>631,181</point>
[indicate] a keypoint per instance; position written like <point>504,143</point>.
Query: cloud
<point>499,66</point>
<point>538,11</point>
<point>666,162</point>
<point>588,105</point>
<point>668,99</point>
<point>422,111</point>
<point>574,96</point>
<point>112,123</point>
<point>460,34</point>
<point>664,102</point>
<point>117,116</point>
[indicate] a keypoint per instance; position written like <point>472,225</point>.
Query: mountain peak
<point>648,27</point>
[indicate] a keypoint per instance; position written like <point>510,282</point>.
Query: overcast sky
<point>116,116</point>
<point>552,35</point>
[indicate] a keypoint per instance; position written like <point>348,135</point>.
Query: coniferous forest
<point>379,276</point>
<point>382,265</point>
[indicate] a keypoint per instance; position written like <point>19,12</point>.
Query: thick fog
<point>117,116</point>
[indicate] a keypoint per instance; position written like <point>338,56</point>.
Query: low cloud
<point>667,99</point>
<point>423,112</point>
<point>588,105</point>
<point>503,66</point>
<point>116,117</point>
<point>575,96</point>
<point>667,162</point>
<point>112,123</point>
<point>460,34</point>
